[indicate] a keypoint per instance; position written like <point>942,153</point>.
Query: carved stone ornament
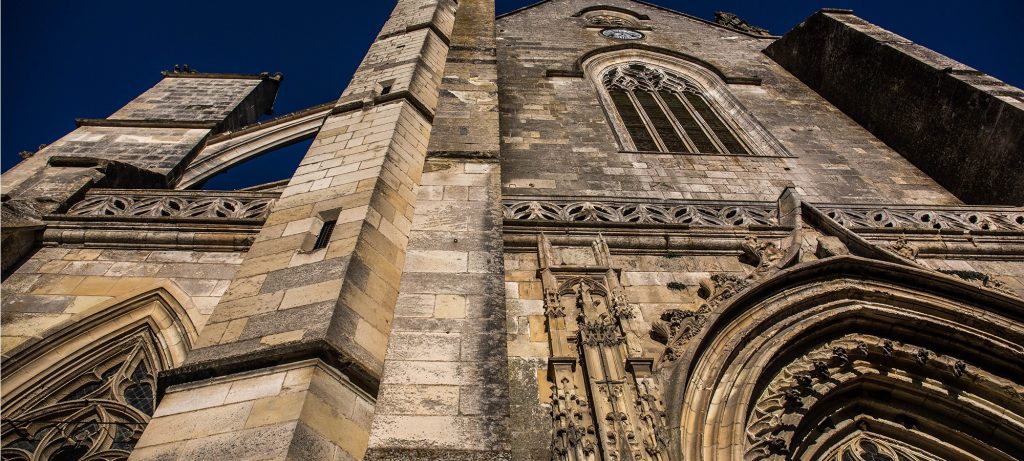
<point>636,76</point>
<point>733,22</point>
<point>98,412</point>
<point>129,203</point>
<point>904,217</point>
<point>866,446</point>
<point>607,20</point>
<point>600,332</point>
<point>809,378</point>
<point>617,414</point>
<point>677,327</point>
<point>981,279</point>
<point>694,214</point>
<point>762,255</point>
<point>903,248</point>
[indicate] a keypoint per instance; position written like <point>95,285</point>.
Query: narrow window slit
<point>324,237</point>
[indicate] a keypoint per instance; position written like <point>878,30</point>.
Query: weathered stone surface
<point>504,278</point>
<point>958,125</point>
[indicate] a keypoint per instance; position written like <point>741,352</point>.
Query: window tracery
<point>871,447</point>
<point>95,411</point>
<point>664,112</point>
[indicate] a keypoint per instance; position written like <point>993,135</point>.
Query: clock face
<point>622,34</point>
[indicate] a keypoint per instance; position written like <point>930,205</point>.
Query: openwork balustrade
<point>714,213</point>
<point>691,213</point>
<point>942,218</point>
<point>174,204</point>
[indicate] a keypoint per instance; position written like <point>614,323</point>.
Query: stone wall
<point>293,301</point>
<point>444,390</point>
<point>444,393</point>
<point>57,283</point>
<point>557,141</point>
<point>960,126</point>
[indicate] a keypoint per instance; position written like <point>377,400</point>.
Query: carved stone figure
<point>734,22</point>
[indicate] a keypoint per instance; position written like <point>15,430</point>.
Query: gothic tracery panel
<point>95,411</point>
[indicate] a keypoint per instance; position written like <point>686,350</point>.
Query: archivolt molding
<point>164,312</point>
<point>778,420</point>
<point>700,76</point>
<point>951,340</point>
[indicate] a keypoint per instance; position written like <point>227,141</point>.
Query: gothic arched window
<point>664,112</point>
<point>96,410</point>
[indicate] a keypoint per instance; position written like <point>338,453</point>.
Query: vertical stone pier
<point>289,365</point>
<point>444,394</point>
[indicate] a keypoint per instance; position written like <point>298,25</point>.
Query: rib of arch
<point>163,312</point>
<point>932,362</point>
<point>252,142</point>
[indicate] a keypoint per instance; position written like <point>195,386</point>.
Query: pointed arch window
<point>664,112</point>
<point>95,410</point>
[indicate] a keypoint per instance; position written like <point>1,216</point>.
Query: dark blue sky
<point>64,59</point>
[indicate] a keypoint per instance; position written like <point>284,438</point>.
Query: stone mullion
<point>647,120</point>
<point>331,307</point>
<point>676,124</point>
<point>703,124</point>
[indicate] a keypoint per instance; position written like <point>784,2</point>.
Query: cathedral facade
<point>583,230</point>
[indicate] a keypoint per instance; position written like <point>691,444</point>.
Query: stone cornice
<point>228,76</point>
<point>150,123</point>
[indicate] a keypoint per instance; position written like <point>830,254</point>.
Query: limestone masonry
<point>583,230</point>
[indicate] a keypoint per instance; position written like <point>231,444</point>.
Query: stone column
<point>444,394</point>
<point>289,365</point>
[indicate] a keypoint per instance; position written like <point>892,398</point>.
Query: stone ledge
<point>435,454</point>
<point>145,234</point>
<point>228,76</point>
<point>269,358</point>
<point>151,123</point>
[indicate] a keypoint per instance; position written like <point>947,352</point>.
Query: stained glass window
<point>664,112</point>
<point>95,411</point>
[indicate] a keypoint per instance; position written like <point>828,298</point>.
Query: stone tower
<point>582,230</point>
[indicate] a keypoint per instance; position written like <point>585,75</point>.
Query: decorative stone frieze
<point>860,217</point>
<point>131,203</point>
<point>687,213</point>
